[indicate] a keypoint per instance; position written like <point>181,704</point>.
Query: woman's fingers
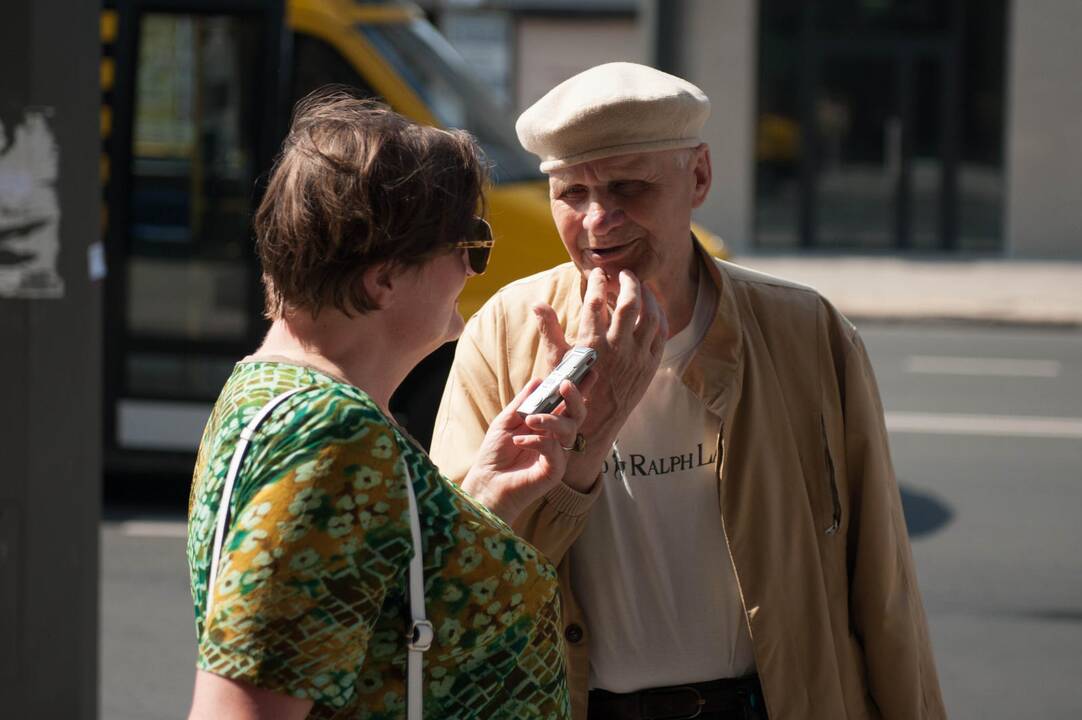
<point>562,427</point>
<point>531,441</point>
<point>550,456</point>
<point>508,417</point>
<point>574,406</point>
<point>565,422</point>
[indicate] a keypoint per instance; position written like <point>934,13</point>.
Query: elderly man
<point>729,536</point>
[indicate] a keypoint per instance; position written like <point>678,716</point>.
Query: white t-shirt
<point>651,568</point>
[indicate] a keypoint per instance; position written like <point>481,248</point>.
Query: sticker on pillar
<point>29,208</point>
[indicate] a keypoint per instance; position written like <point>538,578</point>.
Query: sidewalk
<point>1024,292</point>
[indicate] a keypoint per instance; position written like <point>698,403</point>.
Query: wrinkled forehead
<point>630,165</point>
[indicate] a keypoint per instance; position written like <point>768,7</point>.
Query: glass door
<point>858,132</point>
<point>880,153</point>
<point>880,125</point>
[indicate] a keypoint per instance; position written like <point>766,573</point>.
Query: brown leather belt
<point>737,698</point>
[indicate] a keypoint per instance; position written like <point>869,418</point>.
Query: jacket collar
<point>714,372</point>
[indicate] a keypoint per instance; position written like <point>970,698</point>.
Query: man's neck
<point>678,299</point>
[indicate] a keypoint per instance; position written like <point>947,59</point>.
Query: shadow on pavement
<point>924,513</point>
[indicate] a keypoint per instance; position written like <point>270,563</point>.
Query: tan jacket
<point>807,494</point>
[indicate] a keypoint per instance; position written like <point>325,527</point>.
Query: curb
<point>947,319</point>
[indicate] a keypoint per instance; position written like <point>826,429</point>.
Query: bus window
<point>438,75</point>
<point>192,177</point>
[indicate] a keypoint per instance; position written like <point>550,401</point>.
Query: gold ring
<point>578,446</point>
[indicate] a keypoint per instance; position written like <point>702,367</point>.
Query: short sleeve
<point>310,560</point>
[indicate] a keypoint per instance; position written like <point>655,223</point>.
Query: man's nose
<point>600,219</point>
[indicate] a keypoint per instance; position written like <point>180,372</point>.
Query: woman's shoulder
<point>323,416</point>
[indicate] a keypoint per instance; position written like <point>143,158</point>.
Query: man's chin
<point>612,282</point>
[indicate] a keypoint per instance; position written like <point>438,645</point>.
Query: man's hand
<point>629,340</point>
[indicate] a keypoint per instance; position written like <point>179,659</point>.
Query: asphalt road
<point>989,462</point>
<point>986,428</point>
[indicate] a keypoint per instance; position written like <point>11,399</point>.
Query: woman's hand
<point>521,459</point>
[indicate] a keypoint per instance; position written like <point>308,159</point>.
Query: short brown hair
<point>357,184</point>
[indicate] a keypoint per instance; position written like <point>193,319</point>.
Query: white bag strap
<point>227,490</point>
<point>421,633</point>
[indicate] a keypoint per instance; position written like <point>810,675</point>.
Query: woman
<point>367,233</point>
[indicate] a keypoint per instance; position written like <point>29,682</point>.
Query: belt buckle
<point>700,702</point>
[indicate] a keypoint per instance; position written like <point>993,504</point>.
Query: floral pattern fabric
<point>311,597</point>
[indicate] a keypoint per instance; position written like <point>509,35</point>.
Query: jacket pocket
<point>834,522</point>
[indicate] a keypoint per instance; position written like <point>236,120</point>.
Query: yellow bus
<point>196,99</point>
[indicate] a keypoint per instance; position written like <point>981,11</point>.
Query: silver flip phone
<point>546,397</point>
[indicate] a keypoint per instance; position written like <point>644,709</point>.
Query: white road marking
<point>991,425</point>
<point>154,528</point>
<point>996,367</point>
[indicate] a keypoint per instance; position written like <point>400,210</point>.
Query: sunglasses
<point>479,247</point>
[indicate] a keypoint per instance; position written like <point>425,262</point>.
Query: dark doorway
<point>874,125</point>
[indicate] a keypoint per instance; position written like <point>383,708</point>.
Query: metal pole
<point>50,348</point>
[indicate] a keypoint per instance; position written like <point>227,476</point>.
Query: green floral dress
<point>311,595</point>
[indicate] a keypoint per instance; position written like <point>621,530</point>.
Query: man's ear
<point>702,173</point>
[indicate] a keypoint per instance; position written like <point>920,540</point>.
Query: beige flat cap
<point>612,109</point>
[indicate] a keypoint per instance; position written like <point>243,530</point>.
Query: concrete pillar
<point>714,45</point>
<point>50,348</point>
<point>1044,130</point>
